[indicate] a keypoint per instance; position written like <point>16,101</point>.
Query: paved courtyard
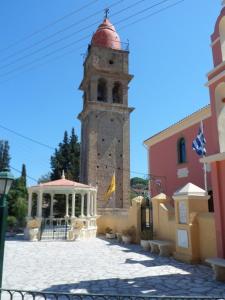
<point>100,266</point>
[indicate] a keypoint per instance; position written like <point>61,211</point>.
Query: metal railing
<point>35,295</point>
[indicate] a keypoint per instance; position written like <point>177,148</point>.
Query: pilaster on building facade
<point>105,118</point>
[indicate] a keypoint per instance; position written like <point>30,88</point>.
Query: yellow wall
<point>200,227</point>
<point>121,219</point>
<point>163,218</point>
<point>207,235</point>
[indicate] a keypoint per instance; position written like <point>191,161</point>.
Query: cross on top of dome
<point>106,35</point>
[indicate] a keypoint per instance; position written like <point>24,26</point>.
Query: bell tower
<point>105,118</point>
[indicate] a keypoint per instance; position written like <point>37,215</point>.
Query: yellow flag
<point>111,188</point>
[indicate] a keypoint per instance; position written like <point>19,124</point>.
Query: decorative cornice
<point>212,158</point>
<point>191,120</point>
<point>103,106</point>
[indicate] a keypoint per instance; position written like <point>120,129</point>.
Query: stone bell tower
<point>105,118</point>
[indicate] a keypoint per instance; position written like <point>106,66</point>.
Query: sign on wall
<point>182,238</point>
<point>182,212</point>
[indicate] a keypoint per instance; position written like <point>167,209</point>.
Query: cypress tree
<point>4,155</point>
<point>66,157</point>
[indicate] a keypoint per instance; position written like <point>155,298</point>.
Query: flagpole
<point>205,169</point>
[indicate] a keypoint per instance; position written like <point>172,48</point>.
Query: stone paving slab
<point>102,266</point>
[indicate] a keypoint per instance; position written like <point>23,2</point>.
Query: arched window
<point>102,90</point>
<point>181,147</point>
<point>117,93</point>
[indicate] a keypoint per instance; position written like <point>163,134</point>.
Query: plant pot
<point>33,234</point>
<point>110,235</point>
<point>145,245</point>
<point>126,239</point>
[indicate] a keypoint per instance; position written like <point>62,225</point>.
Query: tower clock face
<point>95,60</point>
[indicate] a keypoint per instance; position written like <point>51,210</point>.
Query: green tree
<point>4,155</point>
<point>66,157</point>
<point>17,198</point>
<point>24,174</point>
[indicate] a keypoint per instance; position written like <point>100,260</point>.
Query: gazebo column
<point>73,205</point>
<point>82,205</point>
<point>91,204</point>
<point>88,204</point>
<point>67,205</point>
<point>95,204</point>
<point>52,206</point>
<point>29,204</point>
<point>39,212</point>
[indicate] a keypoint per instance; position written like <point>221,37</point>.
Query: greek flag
<point>199,143</point>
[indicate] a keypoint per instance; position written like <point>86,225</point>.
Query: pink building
<point>170,152</point>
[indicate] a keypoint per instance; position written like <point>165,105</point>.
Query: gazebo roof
<point>64,183</point>
<point>61,183</point>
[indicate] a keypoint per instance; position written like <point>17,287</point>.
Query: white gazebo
<point>82,225</point>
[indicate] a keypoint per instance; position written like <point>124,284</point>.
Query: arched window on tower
<point>222,36</point>
<point>117,93</point>
<point>181,149</point>
<point>102,90</point>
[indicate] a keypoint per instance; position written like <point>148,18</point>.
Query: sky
<point>41,66</point>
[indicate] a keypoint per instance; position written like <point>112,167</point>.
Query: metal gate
<point>146,217</point>
<point>54,229</point>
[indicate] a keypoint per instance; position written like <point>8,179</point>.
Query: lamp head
<point>6,179</point>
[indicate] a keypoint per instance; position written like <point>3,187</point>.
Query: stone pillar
<point>52,206</point>
<point>29,204</point>
<point>92,204</point>
<point>109,91</point>
<point>67,206</point>
<point>73,205</point>
<point>39,206</point>
<point>95,204</point>
<point>189,201</point>
<point>82,205</point>
<point>88,204</point>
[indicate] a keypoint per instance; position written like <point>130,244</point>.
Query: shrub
<point>11,222</point>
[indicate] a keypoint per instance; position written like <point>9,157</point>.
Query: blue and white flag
<point>199,143</point>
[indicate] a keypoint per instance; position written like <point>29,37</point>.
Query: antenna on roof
<point>63,175</point>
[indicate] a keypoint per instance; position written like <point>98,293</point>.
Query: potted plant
<point>33,230</point>
<point>109,233</point>
<point>145,237</point>
<point>128,235</point>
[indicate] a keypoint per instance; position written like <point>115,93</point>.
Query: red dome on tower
<point>106,36</point>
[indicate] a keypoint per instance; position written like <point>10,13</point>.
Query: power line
<point>69,45</point>
<point>47,26</point>
<point>65,37</point>
<point>27,138</point>
<point>18,171</point>
<point>152,14</point>
<point>61,30</point>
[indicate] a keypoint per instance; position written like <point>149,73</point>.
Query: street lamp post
<point>6,179</point>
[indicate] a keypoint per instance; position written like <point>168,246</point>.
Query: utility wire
<point>18,171</point>
<point>62,30</point>
<point>81,39</point>
<point>27,138</point>
<point>66,37</point>
<point>47,26</point>
<point>52,148</point>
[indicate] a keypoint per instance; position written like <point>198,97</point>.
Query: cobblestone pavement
<point>100,266</point>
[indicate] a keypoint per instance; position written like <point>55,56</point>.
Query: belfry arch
<point>102,90</point>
